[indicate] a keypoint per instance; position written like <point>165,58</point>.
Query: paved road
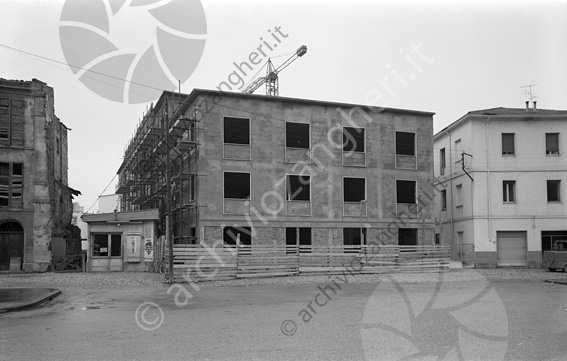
<point>330,320</point>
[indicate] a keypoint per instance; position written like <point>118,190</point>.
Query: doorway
<point>11,246</point>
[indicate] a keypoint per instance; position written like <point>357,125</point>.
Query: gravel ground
<point>118,280</point>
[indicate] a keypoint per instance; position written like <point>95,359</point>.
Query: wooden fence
<point>196,263</point>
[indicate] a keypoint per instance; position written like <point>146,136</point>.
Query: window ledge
<point>509,155</point>
<point>552,155</point>
<point>508,202</point>
<point>554,202</point>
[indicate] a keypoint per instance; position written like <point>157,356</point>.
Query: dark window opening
<point>298,188</point>
<point>353,238</point>
<point>405,191</point>
<point>437,238</point>
<point>234,235</point>
<point>553,190</point>
<point>407,237</point>
<point>236,130</point>
<point>353,139</point>
<point>405,143</point>
<point>509,191</point>
<point>443,199</point>
<point>354,189</point>
<point>237,185</point>
<point>442,161</point>
<point>297,135</point>
<point>508,147</point>
<point>551,143</point>
<point>291,239</point>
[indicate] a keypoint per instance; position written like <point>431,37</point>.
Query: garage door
<point>512,248</point>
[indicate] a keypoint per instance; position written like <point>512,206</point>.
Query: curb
<point>53,292</point>
<point>559,281</point>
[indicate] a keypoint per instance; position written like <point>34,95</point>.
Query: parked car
<point>557,257</point>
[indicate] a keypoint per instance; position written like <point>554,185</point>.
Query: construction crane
<point>271,78</point>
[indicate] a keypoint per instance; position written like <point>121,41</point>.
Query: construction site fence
<point>196,263</point>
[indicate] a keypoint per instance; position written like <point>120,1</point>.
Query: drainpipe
<point>489,204</point>
<point>451,184</point>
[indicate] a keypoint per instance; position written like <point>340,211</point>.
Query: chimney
<point>535,105</point>
<point>527,106</point>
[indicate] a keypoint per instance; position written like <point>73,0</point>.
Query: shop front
<point>121,241</point>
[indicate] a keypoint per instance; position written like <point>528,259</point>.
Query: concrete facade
<point>267,161</point>
<point>31,136</point>
<point>479,212</point>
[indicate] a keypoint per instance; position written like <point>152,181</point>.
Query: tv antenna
<point>528,91</point>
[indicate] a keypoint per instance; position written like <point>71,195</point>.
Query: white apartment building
<point>500,180</point>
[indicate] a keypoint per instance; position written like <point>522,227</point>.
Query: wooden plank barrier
<point>196,263</point>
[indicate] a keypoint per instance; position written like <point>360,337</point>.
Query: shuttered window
<point>11,122</point>
<point>11,185</point>
<point>551,143</point>
<point>508,144</point>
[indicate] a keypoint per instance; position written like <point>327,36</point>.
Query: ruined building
<point>274,171</point>
<point>35,200</point>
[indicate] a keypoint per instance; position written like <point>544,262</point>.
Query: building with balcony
<point>35,199</point>
<point>264,170</point>
<point>500,177</point>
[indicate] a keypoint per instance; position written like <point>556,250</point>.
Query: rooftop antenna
<point>528,92</point>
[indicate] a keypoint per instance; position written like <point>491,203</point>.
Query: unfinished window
<point>443,199</point>
<point>407,237</point>
<point>297,135</point>
<point>553,190</point>
<point>11,122</point>
<point>298,237</point>
<point>552,143</point>
<point>298,188</point>
<point>354,189</point>
<point>236,185</point>
<point>353,238</point>
<point>236,130</point>
<point>442,163</point>
<point>406,191</point>
<point>509,191</point>
<point>11,185</point>
<point>237,235</point>
<point>405,143</point>
<point>508,147</point>
<point>353,139</point>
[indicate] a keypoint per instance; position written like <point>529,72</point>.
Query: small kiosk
<point>121,241</point>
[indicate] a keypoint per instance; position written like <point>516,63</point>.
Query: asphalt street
<point>333,319</point>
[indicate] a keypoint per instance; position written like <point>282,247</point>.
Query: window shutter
<point>18,123</point>
<point>4,121</point>
<point>508,143</point>
<point>552,142</point>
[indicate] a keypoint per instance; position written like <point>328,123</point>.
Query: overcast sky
<point>448,57</point>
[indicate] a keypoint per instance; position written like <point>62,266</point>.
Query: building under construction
<point>272,171</point>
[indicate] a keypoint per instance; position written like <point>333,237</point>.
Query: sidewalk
<point>15,299</point>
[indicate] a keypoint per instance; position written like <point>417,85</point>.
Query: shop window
<point>353,140</point>
<point>297,135</point>
<point>105,245</point>
<point>236,130</point>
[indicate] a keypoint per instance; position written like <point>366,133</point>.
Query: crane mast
<point>271,79</point>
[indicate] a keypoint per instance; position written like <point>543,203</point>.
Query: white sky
<point>473,55</point>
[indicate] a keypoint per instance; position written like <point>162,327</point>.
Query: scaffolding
<point>160,168</point>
